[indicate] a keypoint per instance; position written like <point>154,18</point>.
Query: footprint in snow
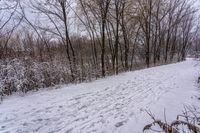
<point>119,124</point>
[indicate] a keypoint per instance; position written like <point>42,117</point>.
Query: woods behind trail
<point>50,42</point>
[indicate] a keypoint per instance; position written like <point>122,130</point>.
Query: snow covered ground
<point>115,104</point>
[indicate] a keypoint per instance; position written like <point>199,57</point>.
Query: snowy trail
<point>113,104</point>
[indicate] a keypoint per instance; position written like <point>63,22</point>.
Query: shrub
<point>23,75</point>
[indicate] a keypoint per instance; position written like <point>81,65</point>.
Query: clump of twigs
<point>188,122</point>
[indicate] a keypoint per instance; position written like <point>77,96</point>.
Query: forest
<point>45,43</point>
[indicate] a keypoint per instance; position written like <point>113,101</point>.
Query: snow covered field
<point>115,104</point>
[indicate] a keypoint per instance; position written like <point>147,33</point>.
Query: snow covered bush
<point>27,74</point>
<point>23,75</point>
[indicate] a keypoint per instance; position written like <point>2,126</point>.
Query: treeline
<point>95,38</point>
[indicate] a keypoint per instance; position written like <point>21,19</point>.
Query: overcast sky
<point>33,17</point>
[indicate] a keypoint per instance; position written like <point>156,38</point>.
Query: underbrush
<point>25,74</point>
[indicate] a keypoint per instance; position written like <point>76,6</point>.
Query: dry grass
<point>188,122</point>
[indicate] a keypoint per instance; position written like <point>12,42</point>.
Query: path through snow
<point>113,104</point>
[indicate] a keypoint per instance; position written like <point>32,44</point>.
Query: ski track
<point>106,108</point>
